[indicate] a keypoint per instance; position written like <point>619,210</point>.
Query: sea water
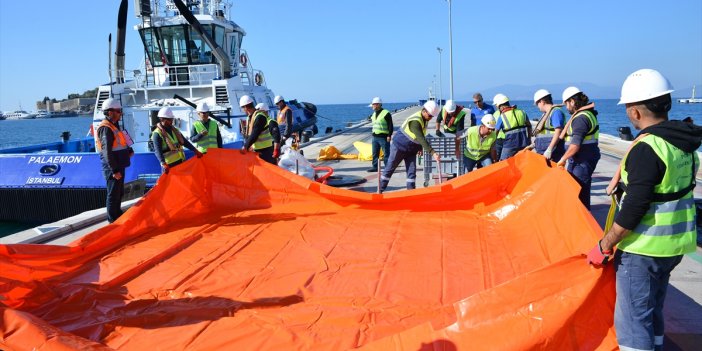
<point>611,116</point>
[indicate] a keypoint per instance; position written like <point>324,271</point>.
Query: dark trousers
<point>498,148</point>
<point>267,155</point>
<point>402,149</point>
<point>582,172</point>
<point>115,190</point>
<point>378,143</point>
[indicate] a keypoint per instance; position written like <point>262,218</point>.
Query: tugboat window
<point>148,37</point>
<point>200,52</point>
<point>174,44</point>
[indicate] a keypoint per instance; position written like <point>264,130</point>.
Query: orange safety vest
<point>120,142</point>
<point>281,115</point>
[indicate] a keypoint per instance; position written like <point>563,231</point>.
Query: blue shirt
<point>557,118</point>
<point>476,112</point>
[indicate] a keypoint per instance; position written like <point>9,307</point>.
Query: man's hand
<point>165,168</point>
<point>562,163</point>
<point>117,175</point>
<point>388,138</point>
<point>548,153</point>
<point>597,257</point>
<point>276,152</point>
<point>436,156</point>
<point>198,154</point>
<point>204,132</point>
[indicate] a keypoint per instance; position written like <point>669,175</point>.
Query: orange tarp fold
<point>230,252</point>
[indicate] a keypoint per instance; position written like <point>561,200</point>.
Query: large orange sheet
<point>229,252</point>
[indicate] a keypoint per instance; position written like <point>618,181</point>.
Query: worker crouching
<point>480,144</point>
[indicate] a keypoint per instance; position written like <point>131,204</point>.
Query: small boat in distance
<point>691,100</point>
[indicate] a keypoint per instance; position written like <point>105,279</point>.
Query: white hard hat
<point>431,107</point>
<point>202,107</point>
<point>376,100</point>
<point>111,104</point>
<point>488,121</point>
<point>245,100</point>
<point>540,94</point>
<point>165,112</point>
<point>261,106</point>
<point>644,84</point>
<point>450,106</point>
<point>499,99</point>
<point>278,99</point>
<point>569,92</point>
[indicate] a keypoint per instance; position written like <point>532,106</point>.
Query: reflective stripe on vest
<point>459,117</point>
<point>406,129</point>
<point>119,142</point>
<point>265,139</point>
<point>380,125</point>
<point>548,130</point>
<point>476,148</point>
<point>281,115</point>
<point>593,135</point>
<point>669,227</point>
<point>209,140</point>
<point>171,156</point>
<point>514,122</point>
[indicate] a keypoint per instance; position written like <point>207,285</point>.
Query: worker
<point>581,135</point>
<point>480,108</point>
<point>382,132</point>
<point>548,142</point>
<point>168,141</point>
<point>655,225</point>
<point>408,143</point>
<point>115,151</point>
<point>272,128</point>
<point>515,126</point>
<point>453,117</point>
<point>284,119</point>
<point>480,141</point>
<point>258,134</point>
<point>205,132</point>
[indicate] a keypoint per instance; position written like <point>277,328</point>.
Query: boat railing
<point>172,75</point>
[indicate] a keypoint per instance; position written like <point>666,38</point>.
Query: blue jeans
<point>642,282</point>
<point>469,164</point>
<point>378,143</point>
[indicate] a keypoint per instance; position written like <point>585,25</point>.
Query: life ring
<point>243,59</point>
<point>258,78</point>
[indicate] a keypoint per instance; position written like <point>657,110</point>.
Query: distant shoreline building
<point>74,105</point>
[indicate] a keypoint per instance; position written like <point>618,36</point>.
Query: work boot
<point>439,133</point>
<point>372,169</point>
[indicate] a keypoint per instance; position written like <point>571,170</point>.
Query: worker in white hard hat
<point>168,141</point>
<point>513,125</point>
<point>480,144</point>
<point>205,131</point>
<point>258,134</point>
<point>285,120</point>
<point>550,126</point>
<point>381,120</point>
<point>273,128</point>
<point>408,143</point>
<point>114,146</point>
<point>453,118</point>
<point>581,135</point>
<point>655,225</point>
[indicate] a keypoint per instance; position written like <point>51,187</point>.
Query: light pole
<point>441,91</point>
<point>450,51</point>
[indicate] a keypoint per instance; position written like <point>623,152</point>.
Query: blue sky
<point>349,51</point>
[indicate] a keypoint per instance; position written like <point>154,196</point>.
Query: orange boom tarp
<point>229,252</point>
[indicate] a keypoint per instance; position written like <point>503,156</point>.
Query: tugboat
<point>192,54</point>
